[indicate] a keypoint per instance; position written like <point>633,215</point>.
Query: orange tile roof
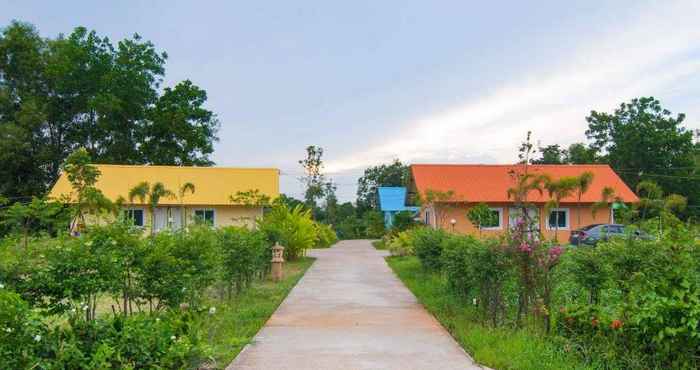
<point>490,183</point>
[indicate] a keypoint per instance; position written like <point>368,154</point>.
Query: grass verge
<point>379,244</point>
<point>500,348</point>
<point>236,322</point>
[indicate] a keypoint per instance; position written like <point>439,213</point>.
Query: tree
<point>330,204</point>
<point>479,215</point>
<point>440,202</point>
<point>185,188</point>
<point>393,174</point>
<point>314,179</point>
<point>552,154</point>
<point>144,191</point>
<point>83,177</point>
<point>607,196</point>
<point>579,153</point>
<point>643,141</point>
<point>558,190</point>
<point>583,183</point>
<point>251,198</point>
<point>33,216</point>
<point>81,90</point>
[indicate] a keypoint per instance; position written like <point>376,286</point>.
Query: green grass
<point>500,348</point>
<point>235,323</point>
<point>380,245</point>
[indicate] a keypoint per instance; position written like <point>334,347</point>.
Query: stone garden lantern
<point>277,262</point>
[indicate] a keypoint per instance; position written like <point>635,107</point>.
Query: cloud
<point>646,56</point>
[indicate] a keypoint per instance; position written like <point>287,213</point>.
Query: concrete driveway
<point>350,312</point>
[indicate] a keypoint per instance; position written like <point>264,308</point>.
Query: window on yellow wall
<point>205,216</point>
<point>135,215</point>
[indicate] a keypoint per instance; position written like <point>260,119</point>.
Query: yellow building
<point>210,202</point>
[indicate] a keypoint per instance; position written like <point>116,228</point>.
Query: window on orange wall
<point>496,220</point>
<point>558,219</point>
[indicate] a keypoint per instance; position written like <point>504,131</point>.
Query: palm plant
<point>558,190</point>
<point>607,196</point>
<point>584,182</point>
<point>184,189</point>
<point>153,193</point>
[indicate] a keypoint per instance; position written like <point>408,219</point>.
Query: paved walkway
<point>350,312</point>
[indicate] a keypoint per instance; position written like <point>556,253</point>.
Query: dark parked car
<point>592,234</point>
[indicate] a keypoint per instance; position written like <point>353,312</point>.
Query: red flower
<point>616,324</point>
<point>594,322</point>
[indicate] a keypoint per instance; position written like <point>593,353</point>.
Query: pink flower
<point>555,252</point>
<point>525,248</point>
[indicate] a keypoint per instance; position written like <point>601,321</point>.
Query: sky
<point>424,82</point>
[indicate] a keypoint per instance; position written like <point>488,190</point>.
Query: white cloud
<point>644,57</point>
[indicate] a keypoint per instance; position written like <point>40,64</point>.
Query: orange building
<point>471,184</point>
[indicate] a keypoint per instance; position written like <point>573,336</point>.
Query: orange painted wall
<point>442,214</point>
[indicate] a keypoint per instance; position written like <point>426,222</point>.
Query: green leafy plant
<point>292,228</point>
<point>151,193</point>
<point>479,215</point>
<point>428,243</point>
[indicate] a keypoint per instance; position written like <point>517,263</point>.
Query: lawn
<point>380,245</point>
<point>235,324</point>
<point>501,348</point>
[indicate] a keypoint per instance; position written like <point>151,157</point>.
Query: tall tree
<point>551,154</point>
<point>392,174</point>
<point>314,179</point>
<point>81,90</point>
<point>643,141</point>
<point>579,153</point>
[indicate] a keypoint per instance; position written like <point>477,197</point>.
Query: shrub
<point>427,243</point>
<point>292,228</point>
<point>401,244</point>
<point>21,332</point>
<point>198,260</point>
<point>374,224</point>
<point>326,235</point>
<point>350,228</point>
<point>652,301</point>
<point>478,270</point>
<point>403,221</point>
<point>245,254</point>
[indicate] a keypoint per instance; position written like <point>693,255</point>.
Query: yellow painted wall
<point>224,216</point>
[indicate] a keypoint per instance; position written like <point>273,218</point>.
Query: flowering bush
<point>644,297</point>
<point>21,332</point>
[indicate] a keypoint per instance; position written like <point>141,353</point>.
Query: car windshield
<point>586,228</point>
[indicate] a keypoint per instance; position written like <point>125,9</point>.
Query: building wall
<point>225,215</point>
<point>441,215</point>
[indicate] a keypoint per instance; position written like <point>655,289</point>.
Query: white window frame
<point>567,218</point>
<point>500,219</point>
<point>143,214</point>
<point>213,211</point>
